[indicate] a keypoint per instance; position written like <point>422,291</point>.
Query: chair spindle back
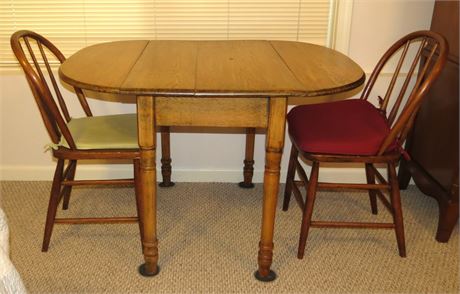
<point>34,52</point>
<point>425,43</point>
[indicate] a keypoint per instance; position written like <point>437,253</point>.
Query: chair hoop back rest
<point>434,48</point>
<point>32,51</point>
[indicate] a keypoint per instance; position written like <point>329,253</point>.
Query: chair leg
<point>290,177</point>
<point>397,210</point>
<point>372,194</point>
<point>248,169</point>
<point>53,204</point>
<point>137,193</point>
<point>308,209</point>
<point>166,158</point>
<point>68,189</point>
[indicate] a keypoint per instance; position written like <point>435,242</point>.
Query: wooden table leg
<point>248,170</point>
<point>147,178</point>
<point>166,158</point>
<point>273,151</point>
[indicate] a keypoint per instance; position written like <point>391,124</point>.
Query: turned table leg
<point>248,169</point>
<point>273,152</point>
<point>166,158</point>
<point>147,186</point>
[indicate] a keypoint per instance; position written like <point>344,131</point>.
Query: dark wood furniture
<point>69,141</point>
<point>243,84</point>
<point>356,131</point>
<point>433,142</point>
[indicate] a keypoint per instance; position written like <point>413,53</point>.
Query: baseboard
<point>45,173</point>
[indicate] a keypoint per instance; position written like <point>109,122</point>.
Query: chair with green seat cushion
<point>73,139</point>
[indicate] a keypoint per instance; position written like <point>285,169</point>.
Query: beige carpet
<point>208,235</point>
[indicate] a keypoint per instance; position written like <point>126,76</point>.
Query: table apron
<point>212,112</point>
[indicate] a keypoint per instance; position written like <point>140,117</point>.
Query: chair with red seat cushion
<point>355,130</point>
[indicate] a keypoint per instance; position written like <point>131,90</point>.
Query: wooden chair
<point>356,131</point>
<point>248,169</point>
<point>88,138</point>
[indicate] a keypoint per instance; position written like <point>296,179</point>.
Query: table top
<point>212,68</point>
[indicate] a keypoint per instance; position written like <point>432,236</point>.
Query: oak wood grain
<point>164,67</point>
<point>321,70</point>
<point>102,67</point>
<point>215,112</point>
<point>212,69</point>
<point>240,67</point>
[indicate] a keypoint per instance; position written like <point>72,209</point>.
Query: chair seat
<point>348,127</point>
<point>104,132</point>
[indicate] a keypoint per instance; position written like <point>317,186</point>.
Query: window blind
<point>74,24</point>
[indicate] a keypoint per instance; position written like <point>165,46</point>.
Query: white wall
<point>377,24</point>
<point>196,157</point>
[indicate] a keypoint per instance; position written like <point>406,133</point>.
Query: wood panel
<point>164,67</point>
<point>445,21</point>
<point>102,67</point>
<point>436,129</point>
<point>240,67</point>
<point>212,112</point>
<point>321,70</point>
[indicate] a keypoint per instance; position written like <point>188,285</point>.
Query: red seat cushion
<point>348,127</point>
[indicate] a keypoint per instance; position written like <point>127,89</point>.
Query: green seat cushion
<point>104,132</point>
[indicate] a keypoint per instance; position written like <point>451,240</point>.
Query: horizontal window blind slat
<point>74,24</point>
